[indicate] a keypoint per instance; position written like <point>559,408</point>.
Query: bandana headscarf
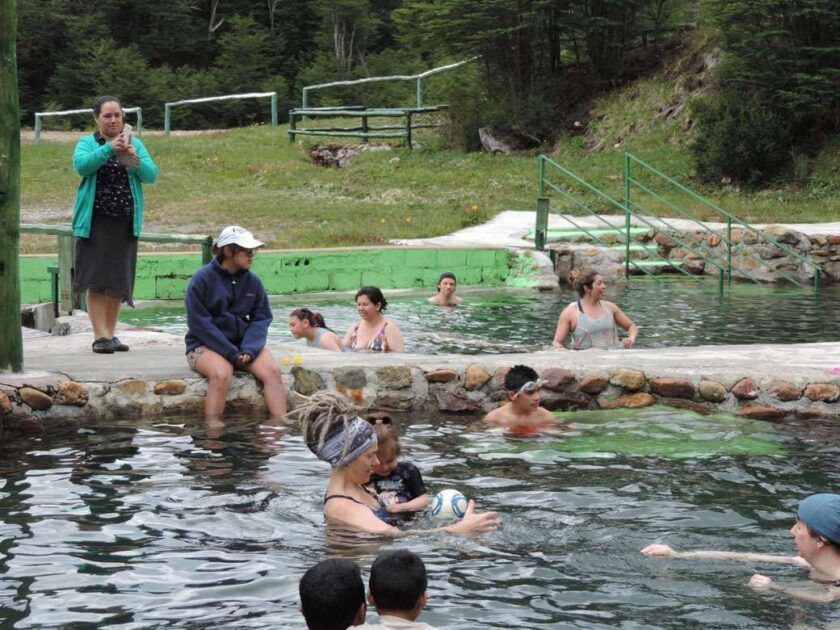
<point>358,437</point>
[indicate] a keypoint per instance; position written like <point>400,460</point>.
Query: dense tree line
<point>776,91</point>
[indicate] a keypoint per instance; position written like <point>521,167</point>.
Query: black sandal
<point>103,345</point>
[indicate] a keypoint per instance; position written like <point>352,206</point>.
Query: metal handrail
<point>628,213</point>
<point>167,107</point>
<point>544,183</point>
<point>304,97</point>
<point>629,157</point>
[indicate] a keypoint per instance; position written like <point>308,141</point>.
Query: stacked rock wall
<point>48,401</point>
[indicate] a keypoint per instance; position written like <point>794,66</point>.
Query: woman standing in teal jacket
<point>107,218</point>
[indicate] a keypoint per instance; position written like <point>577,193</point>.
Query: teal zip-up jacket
<point>88,157</point>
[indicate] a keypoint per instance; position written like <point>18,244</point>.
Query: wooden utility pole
<point>11,343</point>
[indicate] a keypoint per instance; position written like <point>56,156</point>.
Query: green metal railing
<point>630,178</point>
<point>64,296</point>
<point>632,209</point>
<point>543,210</point>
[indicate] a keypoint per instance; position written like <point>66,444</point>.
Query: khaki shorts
<point>192,356</point>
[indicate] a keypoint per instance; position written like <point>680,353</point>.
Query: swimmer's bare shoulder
<point>498,416</point>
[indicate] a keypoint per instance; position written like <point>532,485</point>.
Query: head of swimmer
<point>303,320</point>
<point>446,283</point>
<point>523,387</point>
<point>589,283</point>
<point>370,303</point>
<point>816,531</point>
<point>108,114</point>
<point>388,450</point>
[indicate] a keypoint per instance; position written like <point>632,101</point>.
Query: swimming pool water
<point>672,313</point>
<point>176,524</point>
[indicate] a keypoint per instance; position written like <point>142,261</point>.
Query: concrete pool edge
<point>67,385</point>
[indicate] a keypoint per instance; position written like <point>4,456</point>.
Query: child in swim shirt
<point>398,485</point>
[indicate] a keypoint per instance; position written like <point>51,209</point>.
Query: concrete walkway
<point>508,228</point>
<point>158,356</point>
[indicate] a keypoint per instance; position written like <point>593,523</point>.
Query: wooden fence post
<point>11,342</point>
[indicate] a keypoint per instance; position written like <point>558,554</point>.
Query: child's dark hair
<point>331,594</point>
<point>518,375</point>
<point>444,276</point>
<point>316,320</point>
<point>397,580</point>
<point>97,105</point>
<point>374,294</point>
<point>582,280</point>
<point>387,439</point>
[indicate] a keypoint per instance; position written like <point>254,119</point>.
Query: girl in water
<point>305,324</point>
<point>334,432</point>
<point>373,332</point>
<point>591,321</point>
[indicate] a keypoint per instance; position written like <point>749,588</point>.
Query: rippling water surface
<point>670,313</point>
<point>178,524</point>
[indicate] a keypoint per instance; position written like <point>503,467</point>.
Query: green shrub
<point>743,138</point>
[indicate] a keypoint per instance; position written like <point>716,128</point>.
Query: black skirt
<point>106,262</point>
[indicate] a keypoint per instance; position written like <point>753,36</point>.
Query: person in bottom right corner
<point>397,588</point>
<point>817,537</point>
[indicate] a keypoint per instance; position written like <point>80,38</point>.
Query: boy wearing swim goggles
<point>523,407</point>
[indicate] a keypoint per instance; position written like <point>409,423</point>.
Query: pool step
<point>574,235</point>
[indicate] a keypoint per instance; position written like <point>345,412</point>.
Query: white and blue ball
<point>448,504</point>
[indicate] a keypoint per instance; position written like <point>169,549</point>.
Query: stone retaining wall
<point>751,255</point>
<point>33,403</point>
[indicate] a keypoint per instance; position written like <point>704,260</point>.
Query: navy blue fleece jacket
<point>227,313</point>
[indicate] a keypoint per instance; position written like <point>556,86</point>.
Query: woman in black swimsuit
<point>336,434</point>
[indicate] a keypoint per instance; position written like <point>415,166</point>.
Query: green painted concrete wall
<point>165,276</point>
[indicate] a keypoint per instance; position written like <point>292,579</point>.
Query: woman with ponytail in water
<point>309,325</point>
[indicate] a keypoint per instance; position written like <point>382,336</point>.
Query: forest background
<point>773,99</point>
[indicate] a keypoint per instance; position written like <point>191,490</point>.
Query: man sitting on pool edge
<point>817,537</point>
<point>522,412</point>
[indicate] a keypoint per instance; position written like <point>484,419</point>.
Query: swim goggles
<point>529,388</point>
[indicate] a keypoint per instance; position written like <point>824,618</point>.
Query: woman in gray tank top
<point>590,322</point>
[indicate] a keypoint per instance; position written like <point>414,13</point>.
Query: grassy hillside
<point>254,177</point>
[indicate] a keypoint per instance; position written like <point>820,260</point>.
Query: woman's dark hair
<point>219,252</point>
<point>316,320</point>
<point>97,106</point>
<point>374,294</point>
<point>444,276</point>
<point>582,280</point>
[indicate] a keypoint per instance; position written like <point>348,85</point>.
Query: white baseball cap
<point>236,235</point>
